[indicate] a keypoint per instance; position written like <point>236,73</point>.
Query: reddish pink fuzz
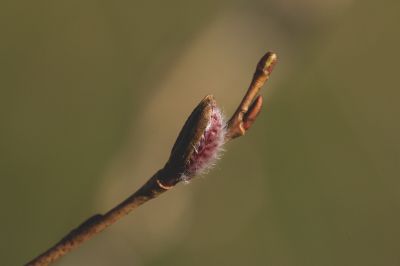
<point>209,147</point>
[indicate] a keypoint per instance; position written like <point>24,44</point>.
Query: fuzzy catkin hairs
<point>209,148</point>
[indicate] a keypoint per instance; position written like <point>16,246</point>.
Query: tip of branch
<point>251,104</point>
<point>267,63</point>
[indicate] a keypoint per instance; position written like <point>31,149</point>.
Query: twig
<point>186,145</point>
<point>250,107</point>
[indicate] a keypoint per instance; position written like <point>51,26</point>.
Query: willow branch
<point>251,104</point>
<point>186,145</point>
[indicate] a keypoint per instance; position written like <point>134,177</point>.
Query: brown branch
<point>250,107</point>
<point>171,173</point>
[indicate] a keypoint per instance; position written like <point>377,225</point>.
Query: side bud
<point>198,144</point>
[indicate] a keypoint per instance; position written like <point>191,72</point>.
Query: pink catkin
<point>209,147</point>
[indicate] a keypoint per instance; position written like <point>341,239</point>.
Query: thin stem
<point>250,106</point>
<point>170,175</point>
<point>97,223</point>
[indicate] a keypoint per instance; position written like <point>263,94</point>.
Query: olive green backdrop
<point>93,94</point>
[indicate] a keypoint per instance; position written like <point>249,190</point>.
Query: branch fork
<point>251,104</point>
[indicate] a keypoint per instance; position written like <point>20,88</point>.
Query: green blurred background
<point>93,94</point>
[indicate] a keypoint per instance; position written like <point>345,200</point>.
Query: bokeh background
<point>93,94</point>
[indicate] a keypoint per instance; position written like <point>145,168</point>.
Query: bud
<point>208,149</point>
<point>198,144</point>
